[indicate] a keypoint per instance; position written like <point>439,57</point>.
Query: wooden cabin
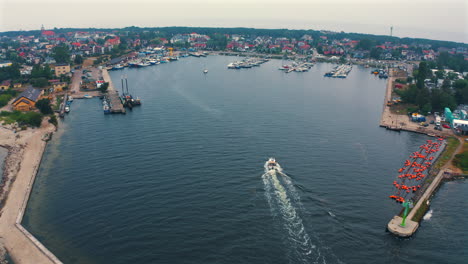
<point>26,101</point>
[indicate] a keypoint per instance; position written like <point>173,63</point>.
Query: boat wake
<point>300,250</point>
<point>285,204</point>
<point>428,215</point>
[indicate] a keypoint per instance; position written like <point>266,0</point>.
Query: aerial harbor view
<point>233,132</point>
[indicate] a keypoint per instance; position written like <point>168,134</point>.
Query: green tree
<point>320,49</point>
<point>375,53</point>
<point>78,59</point>
<point>446,86</point>
<point>365,44</point>
<point>61,54</point>
<point>423,97</point>
<point>440,74</point>
<point>53,120</point>
<point>396,53</point>
<point>342,59</point>
<point>39,71</point>
<point>423,73</point>
<point>461,91</point>
<point>39,82</point>
<point>4,99</point>
<point>44,106</point>
<point>30,118</point>
<point>10,73</point>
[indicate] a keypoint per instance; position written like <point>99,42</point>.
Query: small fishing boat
<point>205,71</point>
<point>106,109</point>
<point>143,64</point>
<point>137,101</point>
<point>117,67</point>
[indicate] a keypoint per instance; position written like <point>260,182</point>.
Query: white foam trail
<point>268,192</point>
<point>293,222</point>
<point>301,246</point>
<point>292,190</point>
<point>428,215</point>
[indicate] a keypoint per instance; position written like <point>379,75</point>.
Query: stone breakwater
<point>25,150</point>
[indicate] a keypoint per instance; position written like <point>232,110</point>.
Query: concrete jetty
<point>116,105</point>
<point>411,226</point>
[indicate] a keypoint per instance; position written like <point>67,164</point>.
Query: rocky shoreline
<point>25,150</point>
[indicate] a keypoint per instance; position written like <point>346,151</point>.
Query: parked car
<point>445,126</point>
<point>432,122</point>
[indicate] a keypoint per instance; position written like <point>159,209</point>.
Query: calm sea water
<point>181,179</point>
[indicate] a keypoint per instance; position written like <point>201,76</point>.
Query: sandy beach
<point>25,153</point>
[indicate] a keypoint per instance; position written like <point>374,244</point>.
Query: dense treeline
<point>10,73</point>
<point>455,62</point>
<point>450,94</point>
<point>40,75</point>
<point>6,96</point>
<point>289,33</point>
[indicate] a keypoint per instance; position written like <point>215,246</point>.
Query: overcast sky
<point>433,19</point>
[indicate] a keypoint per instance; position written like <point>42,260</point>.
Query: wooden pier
<point>116,105</point>
<point>62,105</point>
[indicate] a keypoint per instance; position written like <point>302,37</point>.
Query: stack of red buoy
<point>415,169</point>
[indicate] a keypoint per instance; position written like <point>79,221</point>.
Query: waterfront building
<point>26,101</point>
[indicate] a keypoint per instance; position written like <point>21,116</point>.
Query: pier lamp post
<point>407,206</point>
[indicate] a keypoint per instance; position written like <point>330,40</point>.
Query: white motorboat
<point>70,99</point>
<point>67,109</point>
<point>272,164</point>
<point>205,71</point>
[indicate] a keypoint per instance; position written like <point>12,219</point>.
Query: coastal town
<point>43,71</point>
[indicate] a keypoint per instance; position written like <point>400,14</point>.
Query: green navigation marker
<point>407,206</point>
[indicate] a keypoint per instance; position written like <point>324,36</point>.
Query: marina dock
<point>62,105</point>
<point>340,71</point>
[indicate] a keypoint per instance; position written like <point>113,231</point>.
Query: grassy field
<point>452,145</point>
<point>421,212</point>
<point>32,119</point>
<point>461,160</point>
